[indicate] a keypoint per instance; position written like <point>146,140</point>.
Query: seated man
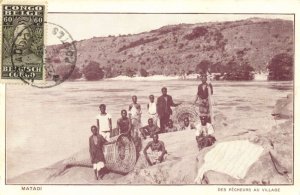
<point>150,129</point>
<point>187,125</point>
<point>170,127</point>
<point>204,133</point>
<point>157,151</point>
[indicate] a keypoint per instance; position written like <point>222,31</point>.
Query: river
<point>44,126</point>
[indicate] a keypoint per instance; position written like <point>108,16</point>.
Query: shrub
<point>143,72</point>
<point>281,67</point>
<point>64,71</point>
<point>203,66</point>
<point>196,33</point>
<point>93,72</point>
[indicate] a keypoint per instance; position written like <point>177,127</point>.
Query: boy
<point>151,107</point>
<point>204,133</point>
<point>157,153</point>
<point>149,129</point>
<point>187,125</point>
<point>135,113</point>
<point>104,123</point>
<point>124,124</point>
<point>170,127</point>
<point>96,142</point>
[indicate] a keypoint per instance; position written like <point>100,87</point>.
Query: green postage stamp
<point>23,39</point>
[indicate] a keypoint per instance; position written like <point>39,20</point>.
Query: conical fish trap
<point>186,110</point>
<point>120,154</point>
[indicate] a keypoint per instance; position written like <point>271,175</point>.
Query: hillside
<point>175,49</point>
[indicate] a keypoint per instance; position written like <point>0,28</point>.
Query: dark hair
<point>186,118</point>
<point>151,96</point>
<point>163,88</point>
<point>94,126</point>
<point>123,111</point>
<point>150,119</point>
<point>102,105</point>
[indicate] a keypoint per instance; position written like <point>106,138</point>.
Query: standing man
<point>204,93</point>
<point>104,123</point>
<point>96,143</point>
<point>151,107</point>
<point>135,113</point>
<point>164,103</point>
<point>124,124</point>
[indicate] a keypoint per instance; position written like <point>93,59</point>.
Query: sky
<point>87,25</point>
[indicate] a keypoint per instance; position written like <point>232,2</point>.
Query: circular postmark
<point>57,66</point>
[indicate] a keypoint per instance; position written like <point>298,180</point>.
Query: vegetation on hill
<point>281,67</point>
<point>233,49</point>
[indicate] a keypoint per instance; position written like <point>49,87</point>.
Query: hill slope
<point>177,48</point>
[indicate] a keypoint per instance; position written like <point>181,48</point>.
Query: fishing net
<point>186,110</point>
<point>120,154</point>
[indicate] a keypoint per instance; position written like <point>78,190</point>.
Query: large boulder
<point>284,108</point>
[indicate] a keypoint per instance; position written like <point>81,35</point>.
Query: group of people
<point>129,124</point>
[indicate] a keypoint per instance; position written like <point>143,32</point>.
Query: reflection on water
<point>47,125</point>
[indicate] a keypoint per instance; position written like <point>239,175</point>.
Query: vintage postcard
<point>148,98</point>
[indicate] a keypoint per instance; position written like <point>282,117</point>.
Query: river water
<point>44,126</point>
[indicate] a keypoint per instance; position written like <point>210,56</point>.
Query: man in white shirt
<point>135,115</point>
<point>151,107</point>
<point>204,132</point>
<point>104,123</point>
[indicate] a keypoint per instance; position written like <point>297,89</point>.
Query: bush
<point>203,66</point>
<point>143,72</point>
<point>281,67</point>
<point>93,72</point>
<point>196,33</point>
<point>64,70</point>
<point>237,72</point>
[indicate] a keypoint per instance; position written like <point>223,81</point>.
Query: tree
<point>203,66</point>
<point>129,72</point>
<point>238,72</point>
<point>64,71</point>
<point>93,72</point>
<point>281,67</point>
<point>143,72</point>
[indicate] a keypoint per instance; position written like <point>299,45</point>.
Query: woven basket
<point>120,154</point>
<point>186,110</point>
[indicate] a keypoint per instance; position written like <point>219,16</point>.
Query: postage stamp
<point>23,39</point>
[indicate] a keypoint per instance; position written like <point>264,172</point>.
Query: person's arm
<point>211,89</point>
<point>196,99</point>
<point>129,109</point>
<point>148,107</point>
<point>98,125</point>
<point>172,103</point>
<point>90,149</point>
<point>157,130</point>
<point>110,124</point>
<point>145,153</point>
<point>118,127</point>
<point>129,127</point>
<point>163,151</point>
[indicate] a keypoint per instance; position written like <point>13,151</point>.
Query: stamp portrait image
<point>195,98</point>
<point>22,42</point>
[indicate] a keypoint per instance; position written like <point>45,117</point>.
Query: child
<point>135,114</point>
<point>204,133</point>
<point>170,127</point>
<point>96,142</point>
<point>151,107</point>
<point>104,123</point>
